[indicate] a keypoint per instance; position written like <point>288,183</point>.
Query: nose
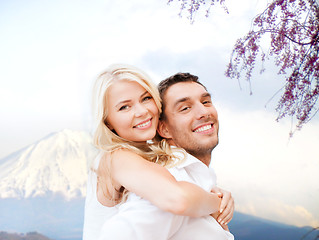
<point>140,110</point>
<point>202,111</point>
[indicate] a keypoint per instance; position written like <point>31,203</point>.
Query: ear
<point>163,130</point>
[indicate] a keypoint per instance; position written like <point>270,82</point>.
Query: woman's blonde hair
<point>107,140</point>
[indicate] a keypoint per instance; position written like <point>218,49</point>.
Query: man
<point>189,121</point>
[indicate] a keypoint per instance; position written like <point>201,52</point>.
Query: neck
<point>203,155</point>
<point>206,159</point>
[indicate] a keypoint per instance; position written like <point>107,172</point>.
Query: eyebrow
<point>185,99</point>
<point>126,101</point>
<point>145,93</point>
<point>207,94</point>
<point>181,100</point>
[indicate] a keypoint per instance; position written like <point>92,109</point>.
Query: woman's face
<point>132,111</point>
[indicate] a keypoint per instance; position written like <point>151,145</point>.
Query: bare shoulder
<point>119,160</point>
<point>125,161</point>
<point>124,152</point>
<point>121,156</point>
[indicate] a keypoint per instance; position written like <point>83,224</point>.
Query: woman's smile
<point>145,124</point>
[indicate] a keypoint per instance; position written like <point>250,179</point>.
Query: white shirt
<point>95,214</point>
<point>138,219</point>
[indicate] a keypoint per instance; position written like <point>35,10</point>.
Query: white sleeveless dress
<point>95,214</point>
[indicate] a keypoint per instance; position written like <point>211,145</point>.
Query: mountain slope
<point>28,236</point>
<point>53,216</point>
<point>56,164</point>
<point>247,227</point>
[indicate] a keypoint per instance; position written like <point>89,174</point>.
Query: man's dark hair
<point>176,78</point>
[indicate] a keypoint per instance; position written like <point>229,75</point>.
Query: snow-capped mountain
<point>57,163</point>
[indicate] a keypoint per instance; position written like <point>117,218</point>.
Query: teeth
<point>143,124</point>
<point>204,128</point>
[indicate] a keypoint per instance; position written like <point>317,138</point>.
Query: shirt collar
<point>205,176</point>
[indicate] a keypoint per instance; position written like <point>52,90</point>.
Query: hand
<point>227,207</point>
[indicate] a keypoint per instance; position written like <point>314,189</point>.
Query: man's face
<point>191,119</point>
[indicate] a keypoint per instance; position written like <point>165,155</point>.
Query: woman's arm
<point>154,183</point>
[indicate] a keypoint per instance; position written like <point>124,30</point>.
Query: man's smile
<point>207,128</point>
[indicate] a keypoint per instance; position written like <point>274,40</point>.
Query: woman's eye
<point>147,98</point>
<point>124,107</point>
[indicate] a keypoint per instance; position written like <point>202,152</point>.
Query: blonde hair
<point>107,140</point>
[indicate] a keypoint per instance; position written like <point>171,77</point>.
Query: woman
<point>127,108</point>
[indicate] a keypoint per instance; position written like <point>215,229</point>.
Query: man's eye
<point>124,107</point>
<point>184,109</point>
<point>207,102</point>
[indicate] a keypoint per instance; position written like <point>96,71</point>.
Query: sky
<point>52,51</point>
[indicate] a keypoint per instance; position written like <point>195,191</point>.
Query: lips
<point>144,124</point>
<point>204,128</point>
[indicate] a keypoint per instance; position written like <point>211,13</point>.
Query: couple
<point>151,178</point>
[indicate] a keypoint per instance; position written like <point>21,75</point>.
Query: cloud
<point>276,210</point>
<point>210,64</point>
<point>269,174</point>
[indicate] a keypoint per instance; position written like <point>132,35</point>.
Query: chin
<point>210,146</point>
<point>148,138</point>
